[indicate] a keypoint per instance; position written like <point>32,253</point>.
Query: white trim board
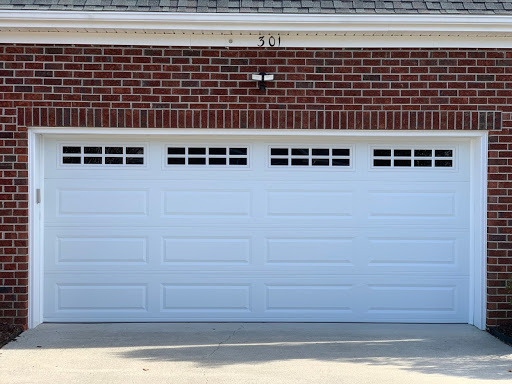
<point>477,186</point>
<point>252,132</point>
<point>246,40</point>
<point>35,250</point>
<point>229,29</point>
<point>478,231</point>
<point>260,22</point>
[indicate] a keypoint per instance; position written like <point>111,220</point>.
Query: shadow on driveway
<point>414,351</point>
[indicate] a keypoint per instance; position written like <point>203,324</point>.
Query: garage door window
<point>102,155</point>
<point>207,156</point>
<point>309,156</point>
<point>412,158</point>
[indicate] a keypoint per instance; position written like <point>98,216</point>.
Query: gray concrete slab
<point>217,353</point>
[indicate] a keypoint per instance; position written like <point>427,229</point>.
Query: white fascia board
<point>220,29</point>
<point>249,22</point>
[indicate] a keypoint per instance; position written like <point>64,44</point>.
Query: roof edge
<point>85,21</point>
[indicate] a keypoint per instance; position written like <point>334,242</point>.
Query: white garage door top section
<point>256,229</point>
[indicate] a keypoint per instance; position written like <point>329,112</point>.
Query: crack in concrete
<point>205,373</point>
<point>225,341</point>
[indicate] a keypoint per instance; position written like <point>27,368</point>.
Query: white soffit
<point>218,29</point>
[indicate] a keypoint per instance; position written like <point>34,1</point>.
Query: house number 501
<point>270,41</point>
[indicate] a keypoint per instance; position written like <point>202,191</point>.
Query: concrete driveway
<point>255,353</point>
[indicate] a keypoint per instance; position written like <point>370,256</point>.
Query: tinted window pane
<point>279,151</point>
<point>114,150</point>
<point>238,151</point>
<point>341,152</point>
<point>134,150</point>
<point>444,153</point>
<point>422,163</point>
<point>422,152</point>
<point>92,160</point>
<point>402,152</point>
<point>134,160</point>
<point>197,151</point>
<point>300,161</point>
<point>175,160</point>
<point>113,160</point>
<point>279,162</point>
<point>402,163</point>
<point>341,162</point>
<point>95,150</point>
<point>381,163</point>
<point>443,163</point>
<point>320,161</point>
<point>237,161</point>
<point>176,151</point>
<point>72,150</point>
<point>382,152</point>
<point>320,151</point>
<point>196,160</point>
<point>300,151</point>
<point>72,160</point>
<point>217,151</point>
<point>217,161</point>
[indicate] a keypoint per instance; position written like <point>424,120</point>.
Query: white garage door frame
<point>478,196</point>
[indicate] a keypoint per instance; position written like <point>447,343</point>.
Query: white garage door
<point>256,229</point>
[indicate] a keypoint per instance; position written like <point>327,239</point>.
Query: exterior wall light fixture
<point>262,77</point>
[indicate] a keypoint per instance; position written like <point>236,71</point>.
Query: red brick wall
<point>172,87</point>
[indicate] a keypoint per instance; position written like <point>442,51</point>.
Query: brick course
<point>173,87</point>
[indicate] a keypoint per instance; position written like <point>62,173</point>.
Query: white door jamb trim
<point>35,230</point>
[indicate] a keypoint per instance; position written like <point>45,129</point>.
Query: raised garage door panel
<point>328,236</point>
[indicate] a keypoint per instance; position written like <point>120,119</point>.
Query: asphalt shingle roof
<point>270,6</point>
